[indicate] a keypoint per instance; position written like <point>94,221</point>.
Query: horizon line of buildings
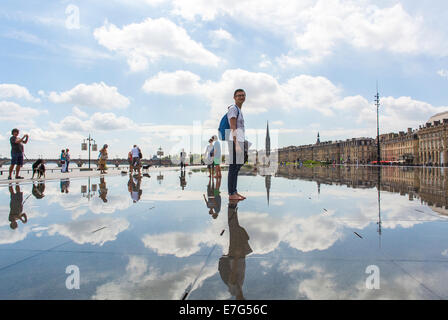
<point>427,145</point>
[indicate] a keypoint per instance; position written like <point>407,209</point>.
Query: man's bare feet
<point>242,197</point>
<point>234,197</point>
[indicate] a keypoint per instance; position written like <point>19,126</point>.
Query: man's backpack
<point>224,127</point>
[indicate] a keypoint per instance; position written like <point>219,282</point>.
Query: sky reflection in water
<point>303,233</point>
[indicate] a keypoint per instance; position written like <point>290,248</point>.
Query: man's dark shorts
<point>17,159</point>
<point>135,161</point>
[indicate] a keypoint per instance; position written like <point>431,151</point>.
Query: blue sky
<point>161,73</point>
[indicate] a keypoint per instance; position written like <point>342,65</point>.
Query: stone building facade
<point>356,150</point>
<point>433,143</point>
<point>427,145</point>
<point>400,147</point>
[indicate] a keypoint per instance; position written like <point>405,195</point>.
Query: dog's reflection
<point>232,267</point>
<point>38,190</point>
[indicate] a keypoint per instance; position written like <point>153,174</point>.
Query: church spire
<point>268,140</point>
<point>318,138</point>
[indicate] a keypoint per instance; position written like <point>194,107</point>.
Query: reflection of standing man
<point>134,189</point>
<point>213,200</point>
<point>183,181</point>
<point>232,267</point>
<point>16,207</point>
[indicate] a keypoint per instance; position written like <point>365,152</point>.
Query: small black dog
<point>146,166</point>
<point>39,169</point>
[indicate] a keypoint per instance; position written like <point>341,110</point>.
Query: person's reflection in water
<point>134,189</point>
<point>213,200</point>
<point>217,202</point>
<point>38,190</point>
<point>16,207</point>
<point>103,189</point>
<point>65,184</point>
<point>183,181</point>
<point>232,267</point>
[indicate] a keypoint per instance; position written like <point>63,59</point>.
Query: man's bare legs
<point>11,169</point>
<point>218,171</point>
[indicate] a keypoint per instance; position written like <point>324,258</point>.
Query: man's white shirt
<point>240,130</point>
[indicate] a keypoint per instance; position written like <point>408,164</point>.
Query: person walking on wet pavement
<point>63,160</point>
<point>103,159</point>
<point>217,156</point>
<point>136,153</point>
<point>17,152</point>
<point>208,158</point>
<point>236,143</point>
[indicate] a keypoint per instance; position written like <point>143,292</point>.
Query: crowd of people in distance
<point>233,120</point>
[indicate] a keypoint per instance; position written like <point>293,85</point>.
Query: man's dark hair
<point>238,90</point>
<point>14,131</point>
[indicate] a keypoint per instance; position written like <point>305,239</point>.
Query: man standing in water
<point>16,152</point>
<point>236,143</point>
<point>182,159</point>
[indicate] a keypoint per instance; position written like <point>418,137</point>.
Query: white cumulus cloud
<point>8,90</point>
<point>314,28</point>
<point>152,39</point>
<point>95,95</point>
<point>443,73</point>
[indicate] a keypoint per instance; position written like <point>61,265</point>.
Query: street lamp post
<point>93,146</point>
<point>377,102</point>
<point>88,191</point>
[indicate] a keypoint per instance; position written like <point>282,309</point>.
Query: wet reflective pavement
<point>302,233</point>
